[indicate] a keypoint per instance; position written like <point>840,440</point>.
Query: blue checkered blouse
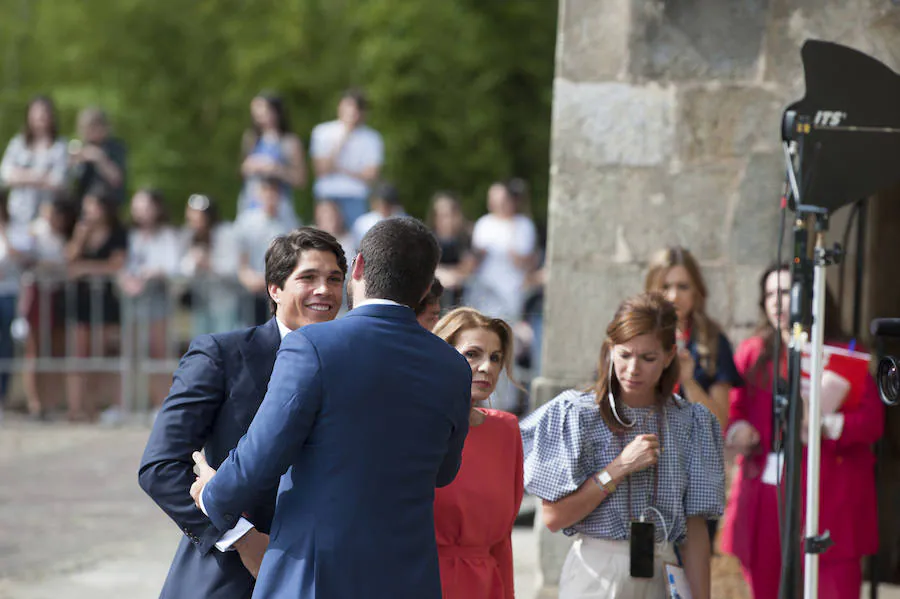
<point>566,442</point>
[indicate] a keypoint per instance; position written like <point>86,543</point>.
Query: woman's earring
<point>612,398</point>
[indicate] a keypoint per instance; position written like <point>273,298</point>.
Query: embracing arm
<point>453,458</point>
<point>696,557</point>
<point>183,425</point>
<point>277,433</point>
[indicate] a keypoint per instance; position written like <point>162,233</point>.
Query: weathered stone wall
<point>666,128</point>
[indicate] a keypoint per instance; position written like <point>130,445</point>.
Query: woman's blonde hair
<point>458,320</point>
<point>645,314</point>
<point>705,330</point>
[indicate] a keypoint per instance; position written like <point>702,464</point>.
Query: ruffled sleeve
<point>559,456</point>
<point>705,494</point>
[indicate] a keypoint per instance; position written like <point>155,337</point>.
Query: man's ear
<point>359,266</point>
<point>274,292</point>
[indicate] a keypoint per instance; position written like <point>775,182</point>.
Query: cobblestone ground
<point>75,525</point>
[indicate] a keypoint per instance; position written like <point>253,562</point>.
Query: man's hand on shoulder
<point>204,473</point>
<point>251,547</point>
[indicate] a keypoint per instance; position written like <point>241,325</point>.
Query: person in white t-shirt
<point>347,157</point>
<point>504,242</point>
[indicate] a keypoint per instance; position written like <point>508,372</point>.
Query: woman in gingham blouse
<point>637,452</point>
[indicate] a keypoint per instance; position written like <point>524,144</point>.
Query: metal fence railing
<point>89,326</point>
<point>120,349</point>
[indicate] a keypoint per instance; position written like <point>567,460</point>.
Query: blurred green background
<point>460,89</point>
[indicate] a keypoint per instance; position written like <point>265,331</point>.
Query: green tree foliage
<point>460,89</point>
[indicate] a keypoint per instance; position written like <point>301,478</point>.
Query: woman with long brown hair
<point>849,506</point>
<point>627,452</point>
<point>474,515</point>
<point>34,163</point>
<point>704,352</point>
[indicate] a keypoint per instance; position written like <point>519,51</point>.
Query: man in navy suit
<point>364,416</point>
<point>217,389</point>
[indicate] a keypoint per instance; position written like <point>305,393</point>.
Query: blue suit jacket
<point>364,416</point>
<point>216,391</point>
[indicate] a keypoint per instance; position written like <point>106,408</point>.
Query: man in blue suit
<point>364,416</point>
<point>217,389</point>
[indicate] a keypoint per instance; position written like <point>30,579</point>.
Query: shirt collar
<point>282,328</point>
<point>377,301</point>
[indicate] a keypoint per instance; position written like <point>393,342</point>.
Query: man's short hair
<point>434,295</point>
<point>285,250</point>
<point>400,256</point>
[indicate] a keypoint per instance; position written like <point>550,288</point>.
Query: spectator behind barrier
<point>271,151</point>
<point>34,164</point>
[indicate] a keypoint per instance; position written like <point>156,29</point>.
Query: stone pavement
<point>74,524</point>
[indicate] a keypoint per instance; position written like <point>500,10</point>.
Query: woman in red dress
<point>474,515</point>
<point>848,508</point>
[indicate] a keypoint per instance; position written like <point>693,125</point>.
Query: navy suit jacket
<point>216,391</point>
<point>364,416</point>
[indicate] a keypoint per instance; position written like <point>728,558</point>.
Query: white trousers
<point>596,568</point>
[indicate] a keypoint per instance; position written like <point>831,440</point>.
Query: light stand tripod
<point>808,263</point>
<point>814,543</point>
<point>848,125</point>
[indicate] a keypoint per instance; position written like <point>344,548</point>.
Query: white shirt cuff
<point>833,425</point>
<point>203,507</point>
<point>230,537</point>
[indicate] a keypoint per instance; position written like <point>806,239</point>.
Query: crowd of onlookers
<point>78,258</point>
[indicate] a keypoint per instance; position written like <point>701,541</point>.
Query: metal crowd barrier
<point>63,308</point>
<point>181,307</point>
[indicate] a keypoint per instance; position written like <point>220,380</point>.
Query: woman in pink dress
<point>474,515</point>
<point>848,508</point>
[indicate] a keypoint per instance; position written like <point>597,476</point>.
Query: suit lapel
<point>259,353</point>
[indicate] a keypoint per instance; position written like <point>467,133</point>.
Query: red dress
<point>474,515</point>
<point>847,508</point>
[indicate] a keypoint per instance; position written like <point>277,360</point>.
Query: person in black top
<point>98,158</point>
<point>454,235</point>
<point>707,364</point>
<point>95,254</point>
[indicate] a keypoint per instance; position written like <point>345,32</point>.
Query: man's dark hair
<point>285,250</point>
<point>358,97</point>
<point>400,256</point>
<point>434,295</point>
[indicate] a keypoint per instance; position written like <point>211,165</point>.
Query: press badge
<point>773,472</point>
<point>677,582</point>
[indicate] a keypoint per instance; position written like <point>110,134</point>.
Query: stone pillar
<point>666,120</point>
